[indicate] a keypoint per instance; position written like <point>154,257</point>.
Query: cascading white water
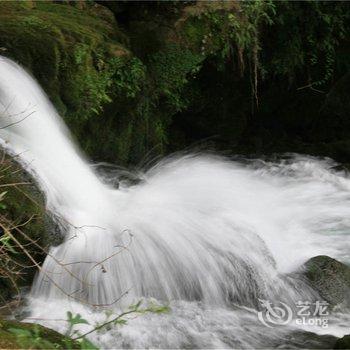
<point>199,231</point>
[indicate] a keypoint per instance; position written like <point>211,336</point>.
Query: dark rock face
<point>337,103</point>
<point>330,278</point>
<point>343,343</point>
<point>307,340</point>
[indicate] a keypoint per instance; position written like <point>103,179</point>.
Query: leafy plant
<point>35,338</point>
<point>312,44</point>
<point>171,69</point>
<point>6,244</point>
<point>120,318</point>
<point>129,76</point>
<point>73,321</point>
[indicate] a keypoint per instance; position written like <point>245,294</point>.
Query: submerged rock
<point>307,340</point>
<point>330,278</point>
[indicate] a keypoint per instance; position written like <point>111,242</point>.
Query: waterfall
<point>196,230</point>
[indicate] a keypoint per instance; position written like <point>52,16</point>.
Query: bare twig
<point>17,122</point>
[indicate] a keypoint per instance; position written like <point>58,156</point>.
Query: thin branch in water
<point>17,122</point>
<point>105,324</point>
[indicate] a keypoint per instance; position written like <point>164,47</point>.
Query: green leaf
<point>6,242</point>
<point>77,319</point>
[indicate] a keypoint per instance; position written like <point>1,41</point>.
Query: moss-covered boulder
<point>68,49</point>
<point>23,222</point>
<point>19,335</point>
<point>74,52</point>
<point>330,278</point>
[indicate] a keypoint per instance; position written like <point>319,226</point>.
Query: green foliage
<point>14,334</point>
<point>232,36</point>
<point>35,339</point>
<point>73,321</point>
<point>6,245</point>
<point>221,32</point>
<point>312,44</point>
<point>129,76</point>
<point>171,69</point>
<point>129,87</point>
<point>114,320</point>
<point>91,80</point>
<point>244,31</point>
<point>266,25</point>
<point>34,22</point>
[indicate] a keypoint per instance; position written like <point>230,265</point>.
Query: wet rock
<point>330,278</point>
<point>307,340</point>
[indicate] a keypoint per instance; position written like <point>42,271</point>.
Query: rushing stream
<point>210,236</point>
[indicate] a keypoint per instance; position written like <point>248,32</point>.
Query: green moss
<point>67,49</point>
<point>13,336</point>
<point>80,58</point>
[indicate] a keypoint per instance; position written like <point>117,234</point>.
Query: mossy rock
<point>343,343</point>
<point>42,337</point>
<point>330,278</point>
<point>72,50</point>
<point>66,48</point>
<point>22,212</point>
